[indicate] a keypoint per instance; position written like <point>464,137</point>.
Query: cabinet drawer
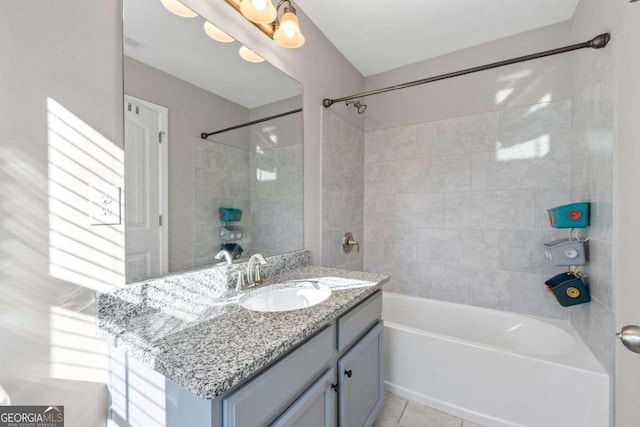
<point>266,396</point>
<point>358,321</point>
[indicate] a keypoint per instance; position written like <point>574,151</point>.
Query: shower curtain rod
<point>598,42</point>
<point>205,135</point>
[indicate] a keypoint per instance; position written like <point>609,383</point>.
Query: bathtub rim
<point>589,362</point>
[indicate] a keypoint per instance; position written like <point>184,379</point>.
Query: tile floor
<point>400,412</point>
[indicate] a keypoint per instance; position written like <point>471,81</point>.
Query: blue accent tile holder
<point>574,215</point>
<point>568,288</point>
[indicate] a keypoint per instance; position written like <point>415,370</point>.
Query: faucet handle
<point>240,284</point>
<point>238,272</point>
<point>348,243</point>
<point>253,269</point>
<point>240,279</point>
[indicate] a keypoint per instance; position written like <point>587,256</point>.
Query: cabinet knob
<point>348,373</point>
<point>334,387</point>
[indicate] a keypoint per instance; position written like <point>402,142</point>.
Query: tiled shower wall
<point>592,180</point>
<point>456,209</point>
<point>221,178</point>
<point>276,199</point>
<point>342,190</point>
<point>266,185</point>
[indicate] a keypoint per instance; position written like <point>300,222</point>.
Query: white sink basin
<point>285,296</point>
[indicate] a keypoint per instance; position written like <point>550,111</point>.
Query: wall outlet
<point>104,204</point>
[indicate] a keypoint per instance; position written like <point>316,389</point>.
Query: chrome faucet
<point>239,273</point>
<point>253,269</point>
<point>228,259</point>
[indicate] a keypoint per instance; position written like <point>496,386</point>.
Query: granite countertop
<point>204,341</point>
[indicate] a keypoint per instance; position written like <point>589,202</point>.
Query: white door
<point>145,189</point>
<point>627,211</point>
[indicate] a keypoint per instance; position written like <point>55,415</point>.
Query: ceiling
<point>380,35</point>
<point>179,46</point>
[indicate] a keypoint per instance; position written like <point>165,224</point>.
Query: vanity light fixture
<point>284,30</point>
<point>249,55</point>
<point>216,33</point>
<point>177,8</point>
<point>258,11</point>
<point>288,32</point>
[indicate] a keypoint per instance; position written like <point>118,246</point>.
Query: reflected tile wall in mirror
<point>200,85</point>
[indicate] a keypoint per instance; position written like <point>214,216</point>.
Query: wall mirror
<point>187,197</point>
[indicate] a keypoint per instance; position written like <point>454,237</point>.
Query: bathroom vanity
<point>213,362</point>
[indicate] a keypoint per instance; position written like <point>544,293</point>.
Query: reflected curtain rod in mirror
<point>205,135</point>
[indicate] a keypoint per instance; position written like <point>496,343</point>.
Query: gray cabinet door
<point>261,400</point>
<point>361,381</point>
<point>315,408</point>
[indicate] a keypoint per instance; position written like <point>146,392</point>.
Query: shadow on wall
<point>79,157</point>
<point>52,262</point>
<point>137,399</point>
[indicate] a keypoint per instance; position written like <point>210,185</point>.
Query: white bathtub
<point>492,367</point>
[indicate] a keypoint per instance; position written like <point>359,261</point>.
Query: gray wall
<point>607,104</point>
<point>71,51</point>
<point>61,129</point>
<point>455,208</point>
<point>342,190</point>
<point>458,175</point>
<point>626,202</point>
<point>520,84</point>
<point>191,111</point>
<point>592,181</point>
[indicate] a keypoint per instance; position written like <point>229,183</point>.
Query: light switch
<point>104,204</point>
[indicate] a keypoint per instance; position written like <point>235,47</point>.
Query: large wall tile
<point>408,209</point>
<point>493,210</point>
<point>471,248</point>
<point>391,144</point>
<point>602,208</point>
<point>342,190</point>
<point>521,292</point>
<point>595,323</point>
<point>465,214</point>
<point>523,251</point>
<point>461,135</point>
<point>492,173</point>
<point>342,210</point>
<point>385,245</point>
<point>600,269</point>
<point>592,181</point>
<point>548,121</point>
<point>592,122</point>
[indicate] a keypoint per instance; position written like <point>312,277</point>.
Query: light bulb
<point>249,55</point>
<point>177,8</point>
<point>289,24</point>
<point>216,33</point>
<point>259,11</point>
<point>288,33</point>
<point>259,4</point>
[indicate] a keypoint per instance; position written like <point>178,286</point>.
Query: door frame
<point>163,179</point>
